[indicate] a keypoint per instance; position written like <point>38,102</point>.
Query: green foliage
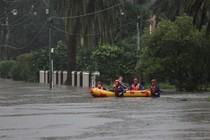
<point>198,9</point>
<point>28,65</point>
<point>176,52</point>
<point>5,68</point>
<point>110,61</point>
<point>208,99</point>
<point>39,61</point>
<point>60,57</point>
<point>22,70</point>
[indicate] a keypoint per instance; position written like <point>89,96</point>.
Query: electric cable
<point>26,46</point>
<point>88,14</point>
<point>25,14</point>
<point>91,34</point>
<point>45,3</point>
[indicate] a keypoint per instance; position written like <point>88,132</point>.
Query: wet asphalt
<point>30,111</point>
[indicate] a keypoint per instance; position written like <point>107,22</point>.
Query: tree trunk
<point>72,53</point>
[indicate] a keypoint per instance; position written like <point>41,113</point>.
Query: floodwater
<point>31,111</point>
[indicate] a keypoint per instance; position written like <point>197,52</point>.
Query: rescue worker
<point>120,78</point>
<point>155,89</point>
<point>136,85</point>
<point>119,88</point>
<point>100,85</point>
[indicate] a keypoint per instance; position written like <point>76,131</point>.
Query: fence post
<point>64,76</point>
<point>46,76</point>
<point>93,78</point>
<point>73,78</point>
<point>78,78</point>
<point>85,77</point>
<point>41,76</point>
<point>54,77</point>
<point>59,77</point>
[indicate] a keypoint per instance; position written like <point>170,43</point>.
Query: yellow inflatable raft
<point>95,92</point>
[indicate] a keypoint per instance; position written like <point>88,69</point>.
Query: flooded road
<point>33,112</point>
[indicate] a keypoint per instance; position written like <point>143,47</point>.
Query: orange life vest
<point>135,87</point>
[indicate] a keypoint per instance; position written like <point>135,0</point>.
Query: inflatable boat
<point>95,92</point>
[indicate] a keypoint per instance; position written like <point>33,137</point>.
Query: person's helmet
<point>99,82</point>
<point>153,81</point>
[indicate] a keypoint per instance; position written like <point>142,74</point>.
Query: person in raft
<point>119,88</point>
<point>155,89</point>
<point>136,85</point>
<point>100,85</point>
<point>120,78</point>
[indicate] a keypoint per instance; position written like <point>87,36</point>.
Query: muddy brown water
<point>31,111</point>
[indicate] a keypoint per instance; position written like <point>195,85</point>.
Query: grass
<point>167,86</point>
<point>208,99</point>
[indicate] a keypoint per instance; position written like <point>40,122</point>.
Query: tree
<point>23,27</point>
<point>176,52</point>
<point>104,18</point>
<point>198,9</point>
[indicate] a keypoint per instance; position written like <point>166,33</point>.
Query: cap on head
<point>153,81</point>
<point>99,82</point>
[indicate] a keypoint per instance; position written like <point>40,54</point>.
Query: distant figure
<point>119,88</point>
<point>100,85</point>
<point>136,85</point>
<point>155,89</point>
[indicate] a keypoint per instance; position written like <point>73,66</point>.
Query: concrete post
<point>78,78</point>
<point>41,76</point>
<point>85,77</point>
<point>64,76</point>
<point>54,77</point>
<point>59,77</point>
<point>73,78</point>
<point>93,78</point>
<point>46,76</point>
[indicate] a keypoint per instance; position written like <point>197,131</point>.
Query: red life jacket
<point>154,89</point>
<point>135,87</point>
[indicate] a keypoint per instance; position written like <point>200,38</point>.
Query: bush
<point>22,70</point>
<point>28,65</point>
<point>176,52</point>
<point>5,68</point>
<point>110,61</point>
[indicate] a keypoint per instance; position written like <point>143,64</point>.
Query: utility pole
<point>48,11</point>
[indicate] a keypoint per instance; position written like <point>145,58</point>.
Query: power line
<point>92,34</point>
<point>25,14</point>
<point>45,3</point>
<point>8,11</point>
<point>15,24</point>
<point>26,46</point>
<point>88,14</point>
